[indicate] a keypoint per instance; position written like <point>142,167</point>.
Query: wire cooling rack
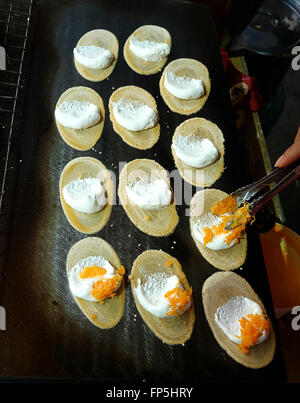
<point>15,20</point>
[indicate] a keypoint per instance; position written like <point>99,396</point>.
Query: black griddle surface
<point>47,336</point>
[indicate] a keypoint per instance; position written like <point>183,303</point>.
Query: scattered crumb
<point>93,316</point>
<point>169,263</point>
<point>147,218</point>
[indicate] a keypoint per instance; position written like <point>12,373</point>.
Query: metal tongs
<point>285,177</point>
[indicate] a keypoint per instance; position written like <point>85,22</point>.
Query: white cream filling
<point>86,195</point>
<point>93,57</point>
<point>77,114</point>
<point>228,316</point>
<point>82,287</point>
<point>151,294</point>
<point>195,151</point>
<point>149,50</point>
<point>219,241</point>
<point>150,195</point>
<point>134,115</point>
<point>184,87</point>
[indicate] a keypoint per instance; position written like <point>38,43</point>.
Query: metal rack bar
<point>15,12</point>
<point>22,9</point>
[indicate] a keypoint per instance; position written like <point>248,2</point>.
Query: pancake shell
<point>79,168</point>
<point>207,176</point>
<point>146,33</point>
<point>216,291</point>
<point>161,222</point>
<point>226,259</point>
<point>173,330</point>
<point>191,68</point>
<point>107,314</point>
<point>82,139</point>
<point>143,139</point>
<point>104,39</point>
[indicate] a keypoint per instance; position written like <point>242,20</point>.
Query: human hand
<point>291,154</point>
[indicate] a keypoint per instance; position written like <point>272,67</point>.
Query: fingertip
<point>280,161</point>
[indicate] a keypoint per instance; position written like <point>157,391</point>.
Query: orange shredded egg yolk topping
<point>224,206</point>
<point>227,210</point>
<point>178,300</point>
<point>104,287</point>
<point>92,271</point>
<point>251,330</point>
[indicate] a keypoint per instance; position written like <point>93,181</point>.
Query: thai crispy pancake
<point>79,168</point>
<point>202,177</point>
<point>146,33</point>
<point>108,313</point>
<point>161,222</point>
<point>193,69</point>
<point>173,330</point>
<point>226,259</point>
<point>216,291</point>
<point>103,39</point>
<point>82,139</point>
<point>142,139</point>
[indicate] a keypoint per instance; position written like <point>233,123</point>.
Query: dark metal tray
<point>46,335</point>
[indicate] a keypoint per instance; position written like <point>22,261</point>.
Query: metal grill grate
<point>15,19</point>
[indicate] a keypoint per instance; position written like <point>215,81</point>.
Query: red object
<point>234,76</point>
